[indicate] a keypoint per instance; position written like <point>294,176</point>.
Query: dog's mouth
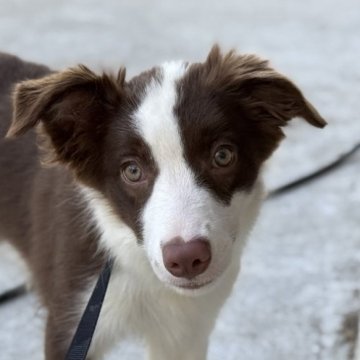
<point>194,286</point>
<point>186,286</point>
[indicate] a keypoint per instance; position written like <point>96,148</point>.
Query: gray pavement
<point>297,296</point>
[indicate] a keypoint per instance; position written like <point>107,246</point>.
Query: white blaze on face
<point>178,206</point>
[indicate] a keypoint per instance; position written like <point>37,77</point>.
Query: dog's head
<point>175,153</point>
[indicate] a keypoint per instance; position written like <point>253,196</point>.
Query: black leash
<point>13,293</point>
<point>319,172</point>
<point>81,341</point>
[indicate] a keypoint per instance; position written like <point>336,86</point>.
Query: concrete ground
<point>298,293</point>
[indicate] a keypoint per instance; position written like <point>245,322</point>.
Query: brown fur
<point>41,212</point>
<point>243,101</point>
<point>74,108</point>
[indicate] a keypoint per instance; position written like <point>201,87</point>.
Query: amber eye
<point>223,157</point>
<point>132,172</point>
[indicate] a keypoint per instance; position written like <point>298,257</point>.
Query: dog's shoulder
<point>13,69</point>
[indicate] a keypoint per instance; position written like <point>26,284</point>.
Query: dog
<point>162,173</point>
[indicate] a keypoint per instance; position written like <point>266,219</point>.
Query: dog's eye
<point>223,157</point>
<point>132,172</point>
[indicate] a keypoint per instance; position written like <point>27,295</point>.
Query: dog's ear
<point>266,95</point>
<point>73,109</point>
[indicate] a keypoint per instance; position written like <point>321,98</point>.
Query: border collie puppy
<point>161,172</point>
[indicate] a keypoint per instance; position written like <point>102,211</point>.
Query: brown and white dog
<point>161,172</point>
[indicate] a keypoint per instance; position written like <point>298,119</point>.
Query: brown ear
<point>73,108</point>
<point>267,95</point>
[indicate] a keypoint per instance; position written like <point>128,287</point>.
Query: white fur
<point>138,303</point>
<point>178,206</point>
<point>141,299</point>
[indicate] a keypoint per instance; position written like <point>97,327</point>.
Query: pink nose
<point>187,259</point>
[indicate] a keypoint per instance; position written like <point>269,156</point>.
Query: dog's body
<point>161,173</point>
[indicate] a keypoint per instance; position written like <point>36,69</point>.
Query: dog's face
<point>175,152</point>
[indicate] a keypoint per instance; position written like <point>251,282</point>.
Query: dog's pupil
<point>223,156</point>
<point>133,172</point>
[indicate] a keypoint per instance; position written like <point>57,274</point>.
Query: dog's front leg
<point>56,339</point>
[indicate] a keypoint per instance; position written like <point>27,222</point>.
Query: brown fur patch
<point>241,100</point>
<point>269,95</point>
<point>82,116</point>
<point>74,108</point>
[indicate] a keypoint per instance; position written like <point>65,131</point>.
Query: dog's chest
<point>139,307</point>
<point>142,307</point>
